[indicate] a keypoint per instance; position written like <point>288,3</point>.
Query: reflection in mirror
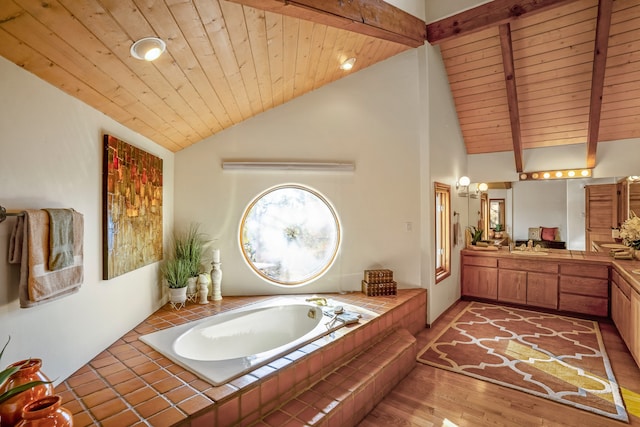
<point>496,213</point>
<point>290,235</point>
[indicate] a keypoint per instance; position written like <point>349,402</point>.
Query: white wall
<point>369,118</point>
<point>446,163</point>
<point>51,156</point>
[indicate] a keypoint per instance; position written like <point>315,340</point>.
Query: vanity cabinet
<point>551,284</point>
<point>528,282</point>
<point>634,326</point>
<point>621,306</point>
<point>584,288</point>
<point>480,277</point>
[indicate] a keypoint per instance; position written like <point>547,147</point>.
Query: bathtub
<point>225,346</point>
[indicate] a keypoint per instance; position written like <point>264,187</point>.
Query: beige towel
<point>15,241</point>
<point>38,284</point>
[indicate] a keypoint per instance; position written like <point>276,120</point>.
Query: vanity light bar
<point>556,174</point>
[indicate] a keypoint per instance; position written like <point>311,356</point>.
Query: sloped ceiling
<point>566,73</point>
<point>225,62</point>
<point>524,74</point>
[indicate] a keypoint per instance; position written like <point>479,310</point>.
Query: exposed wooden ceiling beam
<point>597,80</point>
<point>486,15</point>
<point>374,18</point>
<point>512,93</point>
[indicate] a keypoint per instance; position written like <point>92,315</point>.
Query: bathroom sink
<point>613,246</point>
<point>531,253</point>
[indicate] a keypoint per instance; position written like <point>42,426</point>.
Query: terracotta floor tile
<point>112,369</point>
<point>125,418</point>
<point>78,379</point>
<point>151,407</point>
<point>90,388</point>
<point>220,392</point>
<point>194,404</point>
<point>108,409</point>
<point>179,394</point>
<point>119,377</point>
<point>167,384</point>
<point>145,368</point>
<point>141,395</point>
<point>99,397</point>
<point>129,386</point>
<point>83,419</point>
<point>106,360</point>
<point>166,418</point>
<point>277,418</point>
<point>157,375</point>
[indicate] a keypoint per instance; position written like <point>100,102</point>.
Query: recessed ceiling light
<point>148,49</point>
<point>347,64</point>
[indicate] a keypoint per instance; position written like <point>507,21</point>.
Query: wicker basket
<point>379,289</point>
<point>378,276</point>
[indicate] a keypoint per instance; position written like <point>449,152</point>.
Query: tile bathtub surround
<point>131,384</point>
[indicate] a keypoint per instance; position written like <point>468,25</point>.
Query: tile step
<point>347,394</point>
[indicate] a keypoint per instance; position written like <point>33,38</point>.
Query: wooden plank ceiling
<point>526,78</point>
<point>225,62</point>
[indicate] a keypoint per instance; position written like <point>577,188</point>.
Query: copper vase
<point>46,412</point>
<point>11,409</point>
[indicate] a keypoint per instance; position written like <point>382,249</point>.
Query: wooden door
<point>481,282</point>
<point>542,290</point>
<point>601,213</point>
<point>634,326</point>
<point>512,286</point>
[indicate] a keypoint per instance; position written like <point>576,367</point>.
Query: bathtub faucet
<point>318,300</point>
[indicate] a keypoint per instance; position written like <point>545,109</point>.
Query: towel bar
<point>4,214</point>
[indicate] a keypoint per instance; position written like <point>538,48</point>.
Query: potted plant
<point>189,246</point>
<point>476,234</point>
<point>498,231</point>
<point>177,272</point>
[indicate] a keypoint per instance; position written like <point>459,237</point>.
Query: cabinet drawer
<point>621,283</point>
<point>584,304</point>
<point>584,286</point>
<point>585,270</point>
<point>528,265</point>
<point>480,261</point>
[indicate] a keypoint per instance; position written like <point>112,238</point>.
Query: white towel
<point>38,284</point>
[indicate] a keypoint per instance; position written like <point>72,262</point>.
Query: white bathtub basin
<point>225,346</point>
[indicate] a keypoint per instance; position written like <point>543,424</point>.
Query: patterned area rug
<point>556,357</point>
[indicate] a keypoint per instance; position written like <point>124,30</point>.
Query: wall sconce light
<point>348,64</point>
<point>482,187</point>
<point>556,174</point>
<point>462,186</point>
<point>148,49</point>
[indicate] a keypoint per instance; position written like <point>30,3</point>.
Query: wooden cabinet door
<point>481,282</point>
<point>512,286</point>
<point>601,213</point>
<point>542,290</point>
<point>621,312</point>
<point>634,326</point>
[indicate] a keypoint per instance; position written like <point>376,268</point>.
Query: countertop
<point>625,268</point>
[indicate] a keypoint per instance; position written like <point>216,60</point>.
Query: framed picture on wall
<point>131,208</point>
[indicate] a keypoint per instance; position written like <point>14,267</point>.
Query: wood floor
<point>434,397</point>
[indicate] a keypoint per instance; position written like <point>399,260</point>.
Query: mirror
<point>496,213</point>
<point>552,203</point>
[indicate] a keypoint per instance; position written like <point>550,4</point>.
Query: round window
<point>290,235</point>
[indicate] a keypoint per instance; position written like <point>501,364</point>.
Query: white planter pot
<point>177,297</point>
